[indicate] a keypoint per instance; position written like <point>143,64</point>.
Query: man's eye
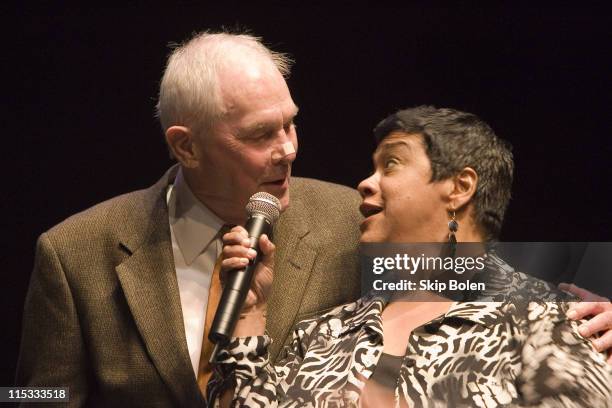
<point>288,126</point>
<point>260,137</point>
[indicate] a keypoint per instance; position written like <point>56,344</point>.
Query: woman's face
<point>400,203</point>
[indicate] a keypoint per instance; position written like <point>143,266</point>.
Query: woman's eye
<point>389,163</point>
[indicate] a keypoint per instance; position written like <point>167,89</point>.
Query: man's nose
<point>284,151</point>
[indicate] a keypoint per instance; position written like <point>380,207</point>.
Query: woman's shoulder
<point>505,284</point>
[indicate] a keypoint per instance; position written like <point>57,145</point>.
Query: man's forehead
<point>249,87</point>
<point>245,67</point>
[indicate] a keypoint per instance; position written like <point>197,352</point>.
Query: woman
<point>440,176</point>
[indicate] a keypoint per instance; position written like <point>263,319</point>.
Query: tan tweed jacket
<point>103,314</point>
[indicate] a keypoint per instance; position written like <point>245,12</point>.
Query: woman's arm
<point>559,366</point>
<point>243,374</point>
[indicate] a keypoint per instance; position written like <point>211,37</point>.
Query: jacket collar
<point>148,279</point>
<point>294,261</point>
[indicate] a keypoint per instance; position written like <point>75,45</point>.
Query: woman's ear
<point>181,142</point>
<point>464,188</point>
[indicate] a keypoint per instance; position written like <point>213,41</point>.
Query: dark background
<point>80,89</point>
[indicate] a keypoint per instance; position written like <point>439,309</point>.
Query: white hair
<point>189,90</point>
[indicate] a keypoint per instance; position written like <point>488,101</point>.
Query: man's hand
<point>236,255</point>
<point>600,308</point>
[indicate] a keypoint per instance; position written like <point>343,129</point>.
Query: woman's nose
<point>368,186</point>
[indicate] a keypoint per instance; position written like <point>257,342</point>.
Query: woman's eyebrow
<point>386,147</point>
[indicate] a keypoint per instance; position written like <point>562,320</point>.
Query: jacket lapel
<point>149,282</point>
<point>293,265</point>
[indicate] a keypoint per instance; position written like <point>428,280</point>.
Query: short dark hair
<point>454,140</point>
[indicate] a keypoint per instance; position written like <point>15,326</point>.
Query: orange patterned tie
<point>204,368</point>
<point>214,294</point>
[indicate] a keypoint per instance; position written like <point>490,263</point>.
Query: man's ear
<point>463,188</point>
<point>181,142</point>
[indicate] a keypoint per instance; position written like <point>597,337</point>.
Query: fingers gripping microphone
<point>263,210</point>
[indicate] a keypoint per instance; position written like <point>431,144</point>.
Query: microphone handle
<point>237,285</point>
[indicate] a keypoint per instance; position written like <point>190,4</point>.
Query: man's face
<point>249,148</point>
<point>400,203</point>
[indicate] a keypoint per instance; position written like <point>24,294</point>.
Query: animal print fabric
<point>479,354</point>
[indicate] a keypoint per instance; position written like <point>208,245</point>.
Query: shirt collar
<point>367,313</point>
<point>194,226</point>
<point>483,313</point>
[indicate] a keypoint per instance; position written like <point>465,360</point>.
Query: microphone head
<point>265,204</point>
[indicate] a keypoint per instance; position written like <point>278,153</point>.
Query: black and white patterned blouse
<point>479,354</point>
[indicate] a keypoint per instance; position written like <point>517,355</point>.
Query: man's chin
<point>281,193</point>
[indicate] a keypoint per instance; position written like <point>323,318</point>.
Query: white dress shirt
<point>195,246</point>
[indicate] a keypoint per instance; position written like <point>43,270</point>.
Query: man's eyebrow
<point>259,126</point>
<point>255,127</point>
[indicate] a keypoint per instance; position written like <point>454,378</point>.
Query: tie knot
<point>219,238</point>
<point>224,230</point>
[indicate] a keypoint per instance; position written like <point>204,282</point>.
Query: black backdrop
<point>80,89</point>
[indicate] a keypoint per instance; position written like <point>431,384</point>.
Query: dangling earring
<point>453,226</point>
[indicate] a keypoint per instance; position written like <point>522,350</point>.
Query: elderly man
<point>122,294</point>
